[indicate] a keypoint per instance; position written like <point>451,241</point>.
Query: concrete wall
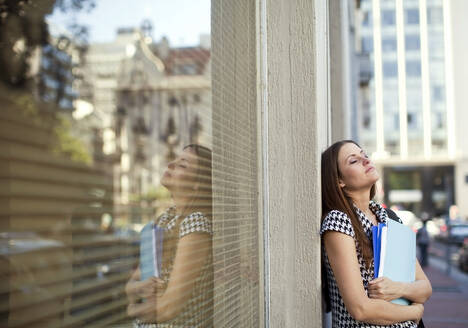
<point>296,107</point>
<point>459,26</point>
<point>284,110</point>
<point>343,72</point>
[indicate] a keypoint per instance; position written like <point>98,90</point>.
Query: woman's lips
<point>369,169</point>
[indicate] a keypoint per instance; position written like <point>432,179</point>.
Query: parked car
<point>454,232</point>
<point>463,256</point>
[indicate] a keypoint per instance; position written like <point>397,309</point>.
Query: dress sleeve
<point>337,221</point>
<point>195,222</point>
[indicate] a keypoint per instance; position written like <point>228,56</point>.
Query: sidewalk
<point>448,306</point>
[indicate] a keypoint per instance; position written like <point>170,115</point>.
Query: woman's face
<point>181,173</point>
<point>356,169</point>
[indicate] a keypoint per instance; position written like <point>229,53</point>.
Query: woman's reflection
<point>183,293</point>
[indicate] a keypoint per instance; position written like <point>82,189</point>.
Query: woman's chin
<point>164,182</point>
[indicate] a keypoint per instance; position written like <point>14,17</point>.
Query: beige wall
<point>283,107</point>
<point>341,57</point>
<point>296,107</point>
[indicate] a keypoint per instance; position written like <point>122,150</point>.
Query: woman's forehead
<point>348,149</point>
<point>188,155</point>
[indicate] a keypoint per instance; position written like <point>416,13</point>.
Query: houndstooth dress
<point>339,221</point>
<point>198,311</point>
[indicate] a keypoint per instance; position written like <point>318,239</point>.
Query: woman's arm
<point>131,288</point>
<point>341,251</point>
<point>192,251</point>
<point>418,291</point>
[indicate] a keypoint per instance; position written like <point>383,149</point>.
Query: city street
<point>448,306</point>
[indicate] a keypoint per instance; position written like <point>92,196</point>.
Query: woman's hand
<point>385,289</point>
<point>145,289</point>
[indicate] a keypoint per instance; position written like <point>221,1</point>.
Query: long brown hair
<point>334,198</point>
<point>203,197</point>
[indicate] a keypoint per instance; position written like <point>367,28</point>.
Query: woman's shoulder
<point>339,221</point>
<point>195,222</point>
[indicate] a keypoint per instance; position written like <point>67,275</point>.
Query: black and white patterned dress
<point>339,221</point>
<point>198,311</point>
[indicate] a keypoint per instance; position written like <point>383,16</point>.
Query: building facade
<point>407,118</point>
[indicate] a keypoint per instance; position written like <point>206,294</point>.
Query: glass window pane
<point>388,17</point>
<point>119,162</point>
<point>412,16</point>
<point>367,44</point>
<point>435,16</point>
<point>389,44</point>
<point>412,42</point>
<point>390,69</point>
<point>413,68</point>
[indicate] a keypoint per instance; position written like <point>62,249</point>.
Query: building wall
<point>279,98</point>
<point>295,104</point>
<point>459,26</point>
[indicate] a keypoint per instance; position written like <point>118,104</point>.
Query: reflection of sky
<point>182,21</point>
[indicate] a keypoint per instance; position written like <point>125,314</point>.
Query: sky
<point>182,21</point>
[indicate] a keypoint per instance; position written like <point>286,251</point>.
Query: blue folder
<point>376,243</point>
<point>399,260</point>
<point>151,247</point>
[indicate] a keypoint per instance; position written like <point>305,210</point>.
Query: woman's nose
<point>171,165</point>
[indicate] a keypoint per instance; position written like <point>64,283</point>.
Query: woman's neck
<point>182,204</point>
<point>361,199</point>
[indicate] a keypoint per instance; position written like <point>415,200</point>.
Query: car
<point>454,232</point>
<point>458,233</point>
<point>463,256</point>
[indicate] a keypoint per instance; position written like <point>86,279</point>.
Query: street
<point>448,306</point>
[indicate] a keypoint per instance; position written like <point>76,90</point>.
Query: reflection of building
<point>152,100</point>
<point>407,121</point>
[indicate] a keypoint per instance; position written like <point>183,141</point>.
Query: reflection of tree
<point>36,70</point>
<point>23,29</point>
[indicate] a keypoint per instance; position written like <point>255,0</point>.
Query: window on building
<point>396,121</point>
<point>366,19</point>
<point>439,120</point>
<point>390,69</point>
<point>389,44</point>
<point>435,16</point>
<point>413,68</point>
<point>367,44</point>
<point>411,120</point>
<point>412,16</point>
<point>412,42</point>
<point>366,121</point>
<point>388,17</point>
<point>438,93</point>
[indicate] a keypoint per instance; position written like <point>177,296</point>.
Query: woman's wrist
<point>402,288</point>
<point>418,311</point>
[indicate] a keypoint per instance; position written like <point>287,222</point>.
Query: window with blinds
<point>129,164</point>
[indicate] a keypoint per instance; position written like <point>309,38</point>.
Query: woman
<point>182,296</point>
<point>358,300</point>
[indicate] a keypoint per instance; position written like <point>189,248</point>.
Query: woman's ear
<point>341,183</point>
